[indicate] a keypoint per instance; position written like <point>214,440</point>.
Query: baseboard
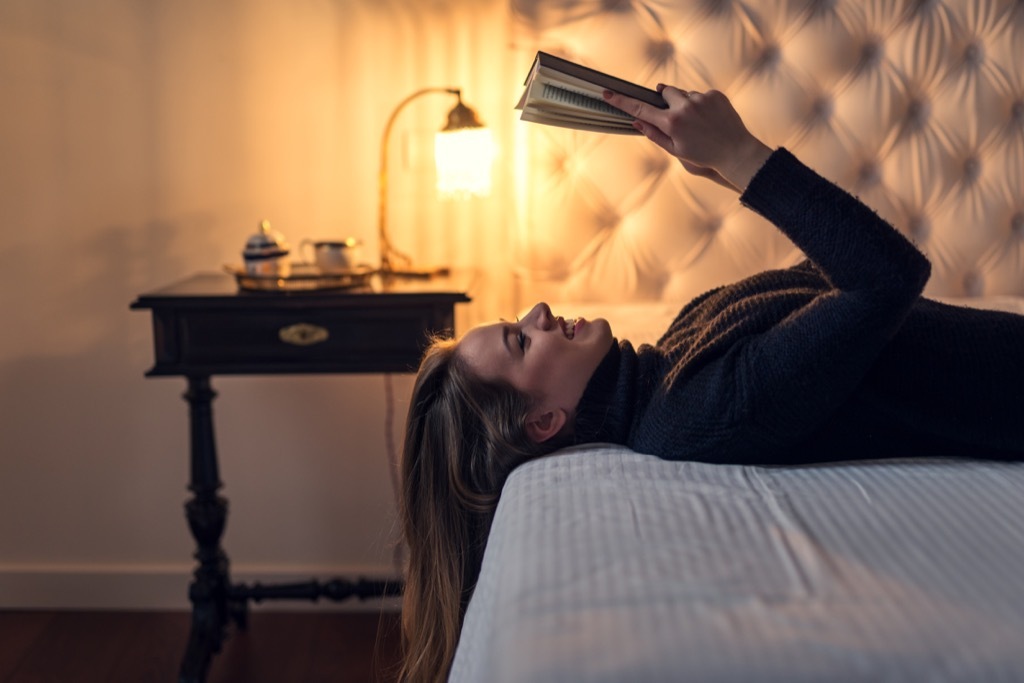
<point>160,587</point>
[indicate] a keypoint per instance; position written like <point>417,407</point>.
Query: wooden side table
<point>205,326</point>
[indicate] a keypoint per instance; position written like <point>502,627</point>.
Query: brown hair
<point>463,437</point>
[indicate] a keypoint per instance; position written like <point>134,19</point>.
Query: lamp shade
<point>461,117</point>
<point>464,157</point>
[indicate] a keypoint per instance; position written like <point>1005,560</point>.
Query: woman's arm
<point>792,377</point>
<point>799,372</point>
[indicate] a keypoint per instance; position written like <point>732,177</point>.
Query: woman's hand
<point>702,130</point>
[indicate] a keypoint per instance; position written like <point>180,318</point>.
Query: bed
<point>608,565</point>
<point>604,564</point>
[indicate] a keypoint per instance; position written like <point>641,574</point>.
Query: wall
<point>141,142</point>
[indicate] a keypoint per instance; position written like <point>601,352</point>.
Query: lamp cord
<point>398,550</point>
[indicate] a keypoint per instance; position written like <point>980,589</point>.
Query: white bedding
<point>607,565</point>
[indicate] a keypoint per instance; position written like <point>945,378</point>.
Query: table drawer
<point>368,339</point>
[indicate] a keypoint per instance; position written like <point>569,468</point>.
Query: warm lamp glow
<point>464,158</point>
<point>463,152</point>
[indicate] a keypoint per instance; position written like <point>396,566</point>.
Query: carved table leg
<point>207,514</point>
<point>215,602</point>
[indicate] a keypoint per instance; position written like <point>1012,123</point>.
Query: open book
<point>562,93</point>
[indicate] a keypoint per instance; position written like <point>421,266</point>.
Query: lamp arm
<point>386,250</point>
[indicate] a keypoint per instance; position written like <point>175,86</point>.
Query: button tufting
<point>656,165</point>
<point>871,52</point>
<point>917,228</point>
<point>1017,224</point>
<point>822,108</point>
<point>609,220</point>
<point>558,164</point>
<point>974,284</point>
<point>661,51</point>
<point>769,56</point>
<point>974,54</point>
<point>918,112</point>
<point>917,107</point>
<point>868,173</point>
<point>716,8</point>
<point>1017,110</point>
<point>820,8</point>
<point>972,169</point>
<point>615,5</point>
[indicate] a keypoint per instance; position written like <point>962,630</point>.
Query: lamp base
<point>416,273</point>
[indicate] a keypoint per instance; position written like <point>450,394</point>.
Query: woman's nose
<point>542,314</point>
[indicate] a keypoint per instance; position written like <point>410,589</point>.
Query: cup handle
<point>302,251</point>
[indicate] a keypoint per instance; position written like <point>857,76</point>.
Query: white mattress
<point>607,565</point>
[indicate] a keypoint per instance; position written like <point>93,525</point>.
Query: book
<point>562,93</point>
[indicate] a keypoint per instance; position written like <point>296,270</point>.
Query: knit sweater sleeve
<point>797,373</point>
<point>849,242</point>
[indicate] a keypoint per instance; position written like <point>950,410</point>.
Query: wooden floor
<point>120,647</point>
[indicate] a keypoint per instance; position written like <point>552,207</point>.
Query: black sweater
<point>836,358</point>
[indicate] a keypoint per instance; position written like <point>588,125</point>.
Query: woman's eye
<point>521,338</point>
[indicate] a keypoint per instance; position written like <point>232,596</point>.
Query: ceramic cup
<point>333,256</point>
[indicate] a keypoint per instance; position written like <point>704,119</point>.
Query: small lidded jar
<point>266,253</point>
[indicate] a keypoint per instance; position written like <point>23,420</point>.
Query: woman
<point>836,358</point>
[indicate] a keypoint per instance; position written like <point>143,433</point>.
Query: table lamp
<point>463,152</point>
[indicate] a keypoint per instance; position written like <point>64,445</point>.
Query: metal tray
<point>303,277</point>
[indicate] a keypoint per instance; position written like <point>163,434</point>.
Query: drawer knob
<point>303,334</point>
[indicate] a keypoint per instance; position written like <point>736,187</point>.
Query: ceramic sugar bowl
<point>266,253</point>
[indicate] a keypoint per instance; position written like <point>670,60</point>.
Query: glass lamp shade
<point>464,157</point>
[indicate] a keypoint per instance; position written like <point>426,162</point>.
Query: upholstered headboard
<point>916,106</point>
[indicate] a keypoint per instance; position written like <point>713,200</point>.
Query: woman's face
<point>543,356</point>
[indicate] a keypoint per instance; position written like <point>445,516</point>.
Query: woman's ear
<point>544,423</point>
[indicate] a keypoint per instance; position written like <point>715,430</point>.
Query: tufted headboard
<point>916,106</point>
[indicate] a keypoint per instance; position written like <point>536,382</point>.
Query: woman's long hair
<point>463,437</point>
